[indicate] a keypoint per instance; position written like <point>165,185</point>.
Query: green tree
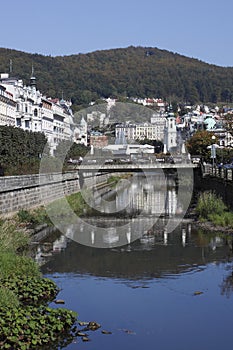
<point>20,150</point>
<point>199,142</point>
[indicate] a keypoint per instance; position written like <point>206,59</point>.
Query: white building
<point>170,133</point>
<point>7,107</point>
<point>80,132</point>
<point>25,107</point>
<point>142,131</point>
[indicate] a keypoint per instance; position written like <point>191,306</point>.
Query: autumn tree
<point>199,142</point>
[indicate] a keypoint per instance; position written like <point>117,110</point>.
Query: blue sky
<point>200,29</point>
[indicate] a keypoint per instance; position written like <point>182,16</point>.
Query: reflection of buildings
<point>60,244</point>
<point>149,198</point>
<point>46,250</point>
<point>176,252</point>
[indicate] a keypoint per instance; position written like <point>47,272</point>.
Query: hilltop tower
<point>33,79</point>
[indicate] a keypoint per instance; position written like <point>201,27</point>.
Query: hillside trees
<point>133,72</point>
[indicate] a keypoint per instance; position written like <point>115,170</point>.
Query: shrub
<point>11,238</point>
<point>208,204</point>
<point>33,217</point>
<point>12,265</point>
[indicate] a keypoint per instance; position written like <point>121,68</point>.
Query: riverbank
<point>210,213</point>
<point>27,321</point>
<point>24,293</point>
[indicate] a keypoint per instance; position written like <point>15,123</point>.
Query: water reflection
<point>227,285</point>
<point>146,195</point>
<point>129,211</point>
<point>154,255</point>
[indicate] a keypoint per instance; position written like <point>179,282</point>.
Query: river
<point>161,289</point>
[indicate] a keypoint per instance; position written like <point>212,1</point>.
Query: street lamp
<point>213,149</point>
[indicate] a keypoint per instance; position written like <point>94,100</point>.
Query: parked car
<point>108,161</point>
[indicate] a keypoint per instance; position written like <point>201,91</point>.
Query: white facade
<point>170,132</point>
<point>80,133</point>
<point>25,107</point>
<point>7,107</point>
<point>150,131</point>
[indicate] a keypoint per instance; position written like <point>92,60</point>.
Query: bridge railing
<point>222,173</point>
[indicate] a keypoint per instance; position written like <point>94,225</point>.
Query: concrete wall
<point>28,191</point>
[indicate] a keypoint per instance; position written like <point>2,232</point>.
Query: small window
<point>18,122</point>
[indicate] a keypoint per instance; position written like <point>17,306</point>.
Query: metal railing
<point>221,173</point>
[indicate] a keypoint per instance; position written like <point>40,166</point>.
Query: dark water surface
<point>165,290</point>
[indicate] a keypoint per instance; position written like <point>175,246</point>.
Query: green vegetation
<point>20,150</point>
<point>60,208</point>
<point>33,217</point>
<point>26,321</point>
<point>77,203</point>
<point>210,207</point>
<point>132,71</point>
<point>32,328</point>
<point>113,180</point>
<point>66,150</point>
<point>198,145</point>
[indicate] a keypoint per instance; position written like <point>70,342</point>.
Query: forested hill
<point>132,71</point>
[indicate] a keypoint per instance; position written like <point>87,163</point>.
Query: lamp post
<point>213,150</point>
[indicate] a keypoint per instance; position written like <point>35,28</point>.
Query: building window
<point>35,112</point>
<point>18,121</point>
<point>26,123</point>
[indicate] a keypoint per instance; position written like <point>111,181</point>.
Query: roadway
<point>135,167</point>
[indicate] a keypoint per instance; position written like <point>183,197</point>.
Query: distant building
<point>142,131</point>
<point>80,132</point>
<point>98,141</point>
<point>170,133</point>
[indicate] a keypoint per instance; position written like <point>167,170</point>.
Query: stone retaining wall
<point>27,191</point>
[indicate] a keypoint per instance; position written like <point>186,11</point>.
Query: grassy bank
<point>31,218</point>
<point>26,320</point>
<point>211,208</point>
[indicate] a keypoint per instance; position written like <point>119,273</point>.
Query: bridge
<point>135,167</point>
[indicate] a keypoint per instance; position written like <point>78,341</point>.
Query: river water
<point>161,289</point>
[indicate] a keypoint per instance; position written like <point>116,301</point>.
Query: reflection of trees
<point>227,285</point>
